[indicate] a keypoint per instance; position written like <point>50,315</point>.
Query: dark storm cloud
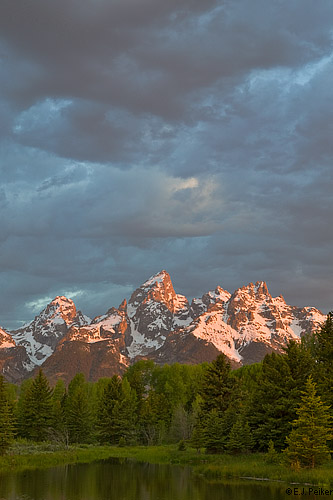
<point>188,135</point>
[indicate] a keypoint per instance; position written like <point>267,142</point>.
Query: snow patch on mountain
<point>141,344</point>
<point>155,279</point>
<point>296,327</point>
<point>211,328</point>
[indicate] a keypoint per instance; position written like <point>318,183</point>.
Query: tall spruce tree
<point>116,416</point>
<point>240,439</point>
<point>197,435</point>
<point>20,408</point>
<point>217,385</point>
<point>106,413</point>
<point>272,407</point>
<point>6,419</point>
<point>323,354</point>
<point>59,432</point>
<point>78,415</point>
<point>218,396</point>
<point>214,434</point>
<point>125,410</point>
<point>307,442</point>
<point>36,409</point>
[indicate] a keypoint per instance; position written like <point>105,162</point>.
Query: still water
<point>115,479</point>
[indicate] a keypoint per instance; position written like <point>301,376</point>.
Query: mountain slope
<point>154,310</point>
<point>14,361</point>
<point>41,336</point>
<point>252,323</point>
<point>158,324</point>
<point>97,350</point>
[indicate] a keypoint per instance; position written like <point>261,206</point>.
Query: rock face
<point>154,310</point>
<point>158,324</point>
<point>14,361</point>
<point>97,350</point>
<point>41,336</point>
<point>251,323</point>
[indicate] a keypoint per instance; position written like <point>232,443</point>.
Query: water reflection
<point>127,480</point>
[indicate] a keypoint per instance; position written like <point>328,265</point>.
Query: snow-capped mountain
<point>97,349</point>
<point>41,336</point>
<point>249,324</point>
<point>159,324</point>
<point>154,310</point>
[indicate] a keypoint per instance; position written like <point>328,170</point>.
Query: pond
<point>120,479</point>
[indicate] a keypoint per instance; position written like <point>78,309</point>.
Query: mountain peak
<point>61,299</point>
<point>157,288</point>
<point>61,307</point>
<point>253,290</point>
<point>41,336</point>
<point>160,277</point>
<point>123,306</point>
<point>261,286</point>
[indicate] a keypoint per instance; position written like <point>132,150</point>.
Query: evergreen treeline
<point>283,403</point>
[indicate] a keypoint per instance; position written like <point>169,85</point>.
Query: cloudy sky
<point>194,136</point>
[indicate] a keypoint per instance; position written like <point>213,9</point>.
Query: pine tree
<point>36,409</point>
<point>197,436</point>
<point>219,396</point>
<point>198,439</point>
<point>240,439</point>
<point>272,456</point>
<point>215,437</point>
<point>217,386</point>
<point>6,419</point>
<point>300,362</point>
<point>273,404</point>
<point>117,417</point>
<point>126,416</point>
<point>77,411</point>
<point>22,429</point>
<point>106,414</point>
<point>59,432</point>
<point>323,354</point>
<point>307,443</point>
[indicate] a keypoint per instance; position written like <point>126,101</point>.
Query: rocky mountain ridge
<point>156,323</point>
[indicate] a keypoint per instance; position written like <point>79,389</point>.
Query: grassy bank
<point>38,456</point>
<point>212,467</point>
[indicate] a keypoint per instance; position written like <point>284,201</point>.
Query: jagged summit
<point>41,336</point>
<point>60,307</point>
<point>157,288</point>
<point>159,324</point>
<point>61,300</point>
<point>159,277</point>
<point>154,310</point>
<point>251,290</point>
